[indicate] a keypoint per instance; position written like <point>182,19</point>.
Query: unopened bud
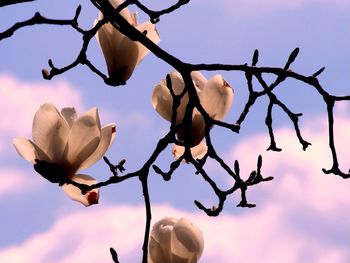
<point>45,73</point>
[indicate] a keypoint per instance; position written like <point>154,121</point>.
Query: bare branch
<point>13,2</point>
<point>38,19</point>
<point>55,174</point>
<point>155,15</point>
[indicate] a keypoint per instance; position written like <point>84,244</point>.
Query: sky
<point>301,216</point>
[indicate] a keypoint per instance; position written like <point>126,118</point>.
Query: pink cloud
<point>19,101</point>
<point>313,207</point>
<point>85,236</point>
<point>14,181</point>
<point>299,173</point>
<point>302,215</point>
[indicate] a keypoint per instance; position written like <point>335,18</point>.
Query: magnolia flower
<point>215,95</point>
<point>67,144</point>
<point>175,240</point>
<point>121,53</point>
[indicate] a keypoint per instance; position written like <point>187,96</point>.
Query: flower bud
<point>175,240</point>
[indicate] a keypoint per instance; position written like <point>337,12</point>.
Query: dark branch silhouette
<point>13,2</point>
<point>252,71</point>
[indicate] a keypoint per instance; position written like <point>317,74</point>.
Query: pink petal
<point>110,39</point>
<point>83,139</point>
<point>187,240</point>
<point>151,32</point>
<point>161,235</point>
<point>156,253</point>
<point>75,194</point>
<point>162,100</point>
<point>28,150</point>
<point>50,131</point>
<point>69,114</point>
<point>216,97</point>
<point>197,151</point>
<point>196,132</point>
<point>177,82</point>
<point>198,79</point>
<point>131,18</point>
<point>108,133</point>
<point>126,59</point>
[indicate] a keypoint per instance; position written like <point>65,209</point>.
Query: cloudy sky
<point>301,216</point>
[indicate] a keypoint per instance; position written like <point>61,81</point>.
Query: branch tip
<point>292,58</point>
<point>255,57</point>
<point>236,168</point>
<point>45,73</point>
<point>317,73</point>
<point>77,13</point>
<point>114,255</point>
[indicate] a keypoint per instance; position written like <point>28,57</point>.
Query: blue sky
<point>302,215</point>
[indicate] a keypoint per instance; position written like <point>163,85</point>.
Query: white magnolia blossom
<point>175,240</point>
<point>215,95</point>
<point>121,53</point>
<point>70,143</point>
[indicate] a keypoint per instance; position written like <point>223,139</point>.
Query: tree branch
<point>13,2</point>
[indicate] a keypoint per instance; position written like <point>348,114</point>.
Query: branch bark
<point>13,2</point>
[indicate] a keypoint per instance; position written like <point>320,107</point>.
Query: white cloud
<point>14,181</point>
<point>261,233</point>
<point>299,173</point>
<point>302,215</point>
<point>20,100</point>
<point>84,237</point>
<point>314,207</point>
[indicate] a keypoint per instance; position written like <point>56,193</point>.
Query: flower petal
<point>151,32</point>
<point>156,253</point>
<point>116,3</point>
<point>162,101</point>
<point>197,130</point>
<point>177,82</point>
<point>198,79</point>
<point>121,53</point>
<point>131,18</point>
<point>109,39</point>
<point>197,151</point>
<point>50,131</point>
<point>90,198</point>
<point>28,150</point>
<point>178,259</point>
<point>161,233</point>
<point>126,59</point>
<point>108,133</point>
<point>69,114</point>
<point>83,139</point>
<point>187,239</point>
<point>216,97</point>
